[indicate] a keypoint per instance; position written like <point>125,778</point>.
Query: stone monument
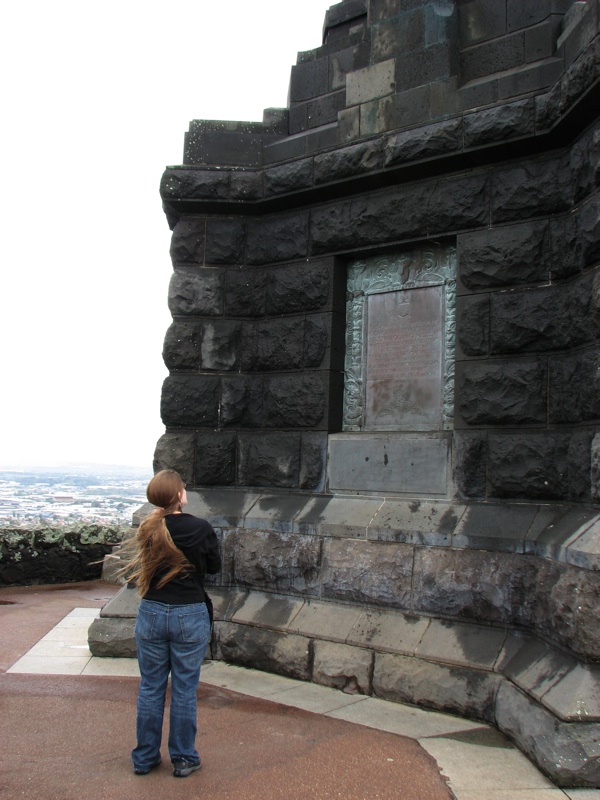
<point>384,367</point>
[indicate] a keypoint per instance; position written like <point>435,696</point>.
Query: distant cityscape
<point>70,494</point>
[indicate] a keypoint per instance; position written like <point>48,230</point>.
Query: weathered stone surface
<point>297,401</point>
<point>281,562</point>
<point>531,189</point>
<point>278,238</point>
<point>473,325</point>
<point>312,461</point>
<point>176,451</point>
<point>269,459</point>
<point>347,162</point>
<point>501,393</point>
<point>181,348</point>
<point>458,203</point>
<point>595,469</point>
<point>112,638</point>
<point>300,287</point>
<point>309,80</point>
<point>341,666</point>
<point>316,341</point>
<point>284,654</point>
<point>575,387</point>
<point>199,184</point>
<point>196,292</point>
<point>377,218</point>
<point>568,752</point>
<point>566,607</point>
<point>468,584</point>
<point>456,690</point>
<point>241,401</point>
<point>221,345</point>
<point>279,344</point>
<point>187,241</point>
<point>548,466</point>
<point>585,164</point>
<point>224,241</point>
<point>289,177</point>
<point>589,232</point>
<point>551,318</point>
<point>506,256</point>
<point>462,644</point>
<point>498,124</point>
<point>190,401</point>
<point>245,185</point>
<point>367,572</point>
<point>403,109</point>
<point>246,293</point>
<point>469,459</point>
<point>215,459</point>
<point>424,142</point>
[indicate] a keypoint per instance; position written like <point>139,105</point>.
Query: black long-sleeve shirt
<point>198,542</point>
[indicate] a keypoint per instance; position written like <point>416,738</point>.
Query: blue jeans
<point>169,639</point>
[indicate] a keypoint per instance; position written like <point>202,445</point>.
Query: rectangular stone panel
<point>401,463</point>
<point>403,368</point>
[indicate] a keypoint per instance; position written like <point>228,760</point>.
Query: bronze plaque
<point>403,360</point>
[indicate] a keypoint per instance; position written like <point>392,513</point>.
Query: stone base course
<point>489,611</point>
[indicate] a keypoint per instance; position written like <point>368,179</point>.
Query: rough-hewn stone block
<point>181,348</point>
<point>280,344</point>
<point>277,561</point>
<point>575,387</point>
<point>549,465</point>
<point>297,401</point>
<point>501,393</point>
<point>221,345</point>
<point>284,654</point>
<point>343,667</point>
<point>187,241</point>
<point>224,241</point>
<point>190,401</point>
<point>195,184</point>
<point>367,572</point>
<point>473,325</point>
<point>456,690</point>
<point>246,292</point>
<point>241,401</point>
<point>458,203</point>
<point>112,637</point>
<point>348,162</point>
<point>276,239</point>
<point>196,292</point>
<point>313,460</point>
<point>424,142</point>
<point>300,287</point>
<point>215,459</point>
<point>499,124</point>
<point>505,256</point>
<point>551,318</point>
<point>531,189</point>
<point>269,459</point>
<point>290,177</point>
<point>176,451</point>
<point>570,753</point>
<point>469,460</point>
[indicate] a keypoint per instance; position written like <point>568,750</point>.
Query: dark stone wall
<point>468,122</point>
<point>30,556</point>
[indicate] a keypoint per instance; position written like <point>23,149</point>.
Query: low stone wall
<point>55,555</point>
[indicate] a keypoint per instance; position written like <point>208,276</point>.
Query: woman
<point>174,551</point>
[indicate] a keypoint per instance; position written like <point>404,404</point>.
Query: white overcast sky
<point>96,99</point>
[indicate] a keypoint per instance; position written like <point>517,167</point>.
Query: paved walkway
<point>68,723</point>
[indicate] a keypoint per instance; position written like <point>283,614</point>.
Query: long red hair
<point>153,548</point>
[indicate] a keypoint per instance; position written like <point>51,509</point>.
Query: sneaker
<point>182,768</point>
<point>140,771</point>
